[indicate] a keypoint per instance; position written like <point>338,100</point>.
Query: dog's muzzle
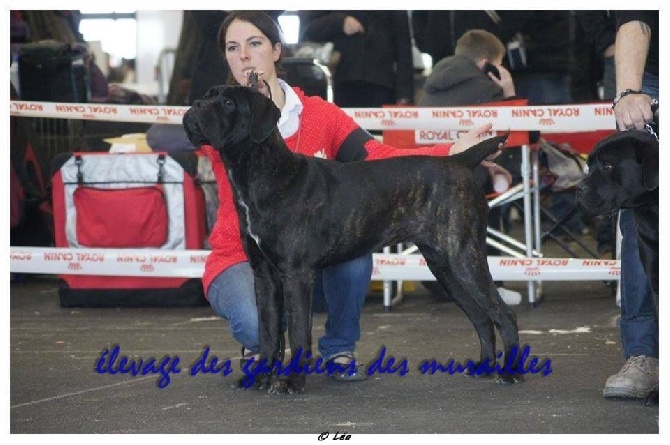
<point>192,127</point>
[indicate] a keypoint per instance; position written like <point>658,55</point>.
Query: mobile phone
<point>491,68</point>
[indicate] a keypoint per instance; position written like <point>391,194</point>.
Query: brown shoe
<point>637,378</point>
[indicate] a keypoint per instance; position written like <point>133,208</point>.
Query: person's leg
<point>233,298</point>
<point>344,287</point>
<point>543,88</point>
<point>639,319</point>
<point>639,323</point>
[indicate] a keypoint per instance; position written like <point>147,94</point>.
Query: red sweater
<point>323,129</point>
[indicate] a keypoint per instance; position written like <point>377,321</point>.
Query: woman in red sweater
<point>251,42</point>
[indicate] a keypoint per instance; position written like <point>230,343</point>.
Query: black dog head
<point>623,173</point>
<point>228,115</point>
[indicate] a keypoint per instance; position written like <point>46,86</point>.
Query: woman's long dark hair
<point>260,20</point>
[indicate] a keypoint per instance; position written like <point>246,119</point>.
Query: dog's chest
<point>246,213</point>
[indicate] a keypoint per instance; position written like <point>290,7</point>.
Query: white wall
<point>156,30</point>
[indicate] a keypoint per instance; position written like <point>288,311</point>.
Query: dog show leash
<point>649,126</point>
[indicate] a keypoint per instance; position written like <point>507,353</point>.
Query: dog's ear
<point>647,151</point>
<point>264,117</point>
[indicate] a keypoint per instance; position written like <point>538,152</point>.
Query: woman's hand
<point>471,138</point>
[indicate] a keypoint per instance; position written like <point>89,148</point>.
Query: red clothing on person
<point>323,129</point>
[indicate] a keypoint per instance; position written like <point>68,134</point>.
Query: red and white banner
<point>102,112</point>
<point>546,118</point>
<point>191,264</point>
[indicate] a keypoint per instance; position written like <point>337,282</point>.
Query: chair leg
<point>560,225</point>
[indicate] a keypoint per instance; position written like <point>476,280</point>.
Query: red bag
<point>98,215</point>
<point>142,200</point>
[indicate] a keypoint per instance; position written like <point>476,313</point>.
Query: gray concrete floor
<point>54,386</point>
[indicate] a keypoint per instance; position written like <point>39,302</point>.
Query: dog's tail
<point>473,156</point>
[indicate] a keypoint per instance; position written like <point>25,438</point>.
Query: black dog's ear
<point>264,117</point>
<point>648,152</point>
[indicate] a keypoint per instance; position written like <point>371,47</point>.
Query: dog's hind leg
<point>472,287</point>
<point>481,322</point>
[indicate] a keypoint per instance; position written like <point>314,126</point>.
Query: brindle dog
<point>298,214</point>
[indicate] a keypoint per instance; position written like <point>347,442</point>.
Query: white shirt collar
<point>290,114</point>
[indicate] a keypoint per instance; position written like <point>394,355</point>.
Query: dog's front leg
<point>269,298</point>
<point>298,290</point>
<point>269,302</point>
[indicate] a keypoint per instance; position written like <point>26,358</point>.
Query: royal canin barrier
<point>191,263</point>
<point>427,122</point>
<point>548,118</point>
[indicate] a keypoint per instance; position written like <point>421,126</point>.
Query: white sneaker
<point>510,297</point>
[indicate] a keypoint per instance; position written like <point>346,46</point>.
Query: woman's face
<point>247,49</point>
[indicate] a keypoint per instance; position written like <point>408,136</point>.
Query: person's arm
<point>377,150</point>
<point>630,54</point>
<point>321,26</point>
<point>360,145</point>
<point>349,142</point>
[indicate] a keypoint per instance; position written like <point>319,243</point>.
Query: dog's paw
<point>246,382</point>
<point>508,379</point>
<point>295,384</point>
<point>480,370</point>
<point>256,382</point>
<point>477,374</point>
<point>278,386</point>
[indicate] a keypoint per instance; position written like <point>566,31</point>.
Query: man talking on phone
<point>473,75</point>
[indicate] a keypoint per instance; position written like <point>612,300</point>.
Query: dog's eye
<point>608,166</point>
<point>228,103</point>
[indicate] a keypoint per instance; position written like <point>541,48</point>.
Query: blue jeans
<point>639,321</point>
<point>343,287</point>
